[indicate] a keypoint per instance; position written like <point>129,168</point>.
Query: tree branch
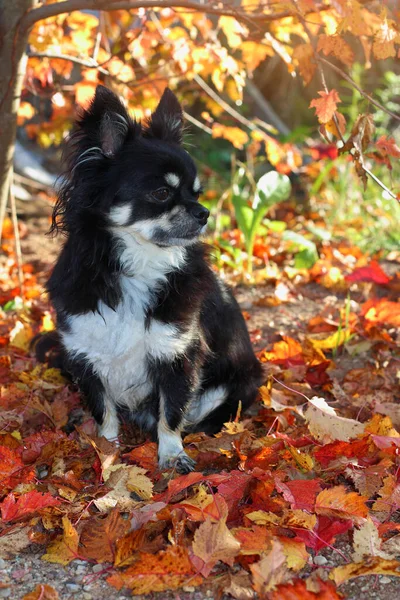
<point>214,8</point>
<point>357,87</point>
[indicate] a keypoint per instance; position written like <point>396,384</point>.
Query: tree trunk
<point>12,69</point>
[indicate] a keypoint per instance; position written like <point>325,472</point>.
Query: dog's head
<point>138,177</point>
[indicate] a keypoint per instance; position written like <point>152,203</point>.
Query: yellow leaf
<point>253,54</point>
<point>25,112</point>
<point>64,548</point>
<point>332,341</point>
<point>369,566</point>
<point>21,335</point>
<point>233,30</point>
<point>261,517</point>
<point>299,518</point>
<point>303,57</point>
<point>295,552</point>
<point>236,136</point>
<point>305,461</point>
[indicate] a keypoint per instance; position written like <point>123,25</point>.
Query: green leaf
<point>307,255</point>
<point>305,259</point>
<point>271,189</point>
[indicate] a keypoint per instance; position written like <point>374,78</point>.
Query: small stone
<point>73,587</point>
<point>320,560</point>
<point>87,587</point>
<point>385,580</point>
<point>97,568</point>
<point>79,570</point>
<point>87,596</point>
<point>3,564</point>
<point>79,562</point>
<point>5,592</point>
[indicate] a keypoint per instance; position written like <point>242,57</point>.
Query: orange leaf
<point>382,312</point>
<point>166,570</point>
<point>334,44</point>
<point>42,592</point>
<point>288,351</point>
<point>144,455</point>
<point>325,106</point>
<point>336,502</point>
<point>303,54</point>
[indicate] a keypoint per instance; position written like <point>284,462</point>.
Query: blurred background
<point>283,180</point>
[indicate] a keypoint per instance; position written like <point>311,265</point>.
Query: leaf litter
<point>312,471</point>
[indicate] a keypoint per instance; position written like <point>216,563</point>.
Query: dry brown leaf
<point>42,592</point>
<point>271,570</point>
<point>14,542</point>
<point>124,479</point>
<point>213,542</point>
<point>367,542</point>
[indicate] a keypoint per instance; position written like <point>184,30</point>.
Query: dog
<point>148,330</point>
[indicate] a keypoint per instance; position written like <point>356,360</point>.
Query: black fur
<point>117,171</point>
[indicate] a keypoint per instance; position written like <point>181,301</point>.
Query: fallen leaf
<point>64,549</point>
<point>326,426</point>
<point>373,273</point>
<point>42,592</point>
<point>213,542</point>
<point>99,537</point>
<point>336,502</point>
<point>369,566</point>
<point>26,504</point>
<point>13,542</point>
<point>271,570</point>
<point>166,570</point>
<point>297,590</point>
<point>367,542</point>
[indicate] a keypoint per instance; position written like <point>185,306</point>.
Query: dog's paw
<point>182,463</point>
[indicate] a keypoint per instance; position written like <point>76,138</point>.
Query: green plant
<point>253,200</point>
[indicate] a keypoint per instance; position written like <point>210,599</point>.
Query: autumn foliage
<point>313,468</point>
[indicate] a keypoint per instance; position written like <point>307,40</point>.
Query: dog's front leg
<point>175,389</point>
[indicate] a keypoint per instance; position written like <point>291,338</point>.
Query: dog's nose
<point>201,213</point>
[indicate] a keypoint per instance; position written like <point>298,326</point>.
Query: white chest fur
<point>116,342</point>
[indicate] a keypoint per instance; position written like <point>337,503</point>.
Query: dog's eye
<point>161,195</point>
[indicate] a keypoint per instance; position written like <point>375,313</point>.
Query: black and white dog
<point>147,329</point>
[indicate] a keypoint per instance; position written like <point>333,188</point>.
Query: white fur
<point>120,215</point>
<point>173,179</point>
<point>116,342</point>
<point>206,403</point>
<point>169,442</point>
<point>196,185</point>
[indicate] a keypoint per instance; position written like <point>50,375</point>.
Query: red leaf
<point>12,470</point>
<point>324,533</point>
<point>145,456</point>
<point>388,146</point>
<point>300,493</point>
<point>27,504</point>
<point>372,273</point>
<point>179,484</point>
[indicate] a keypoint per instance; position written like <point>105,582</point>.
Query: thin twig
<point>357,87</point>
<point>14,219</point>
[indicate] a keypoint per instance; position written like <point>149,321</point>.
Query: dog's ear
<point>166,123</point>
<point>106,121</point>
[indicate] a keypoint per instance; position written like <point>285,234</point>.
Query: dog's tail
<point>48,348</point>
